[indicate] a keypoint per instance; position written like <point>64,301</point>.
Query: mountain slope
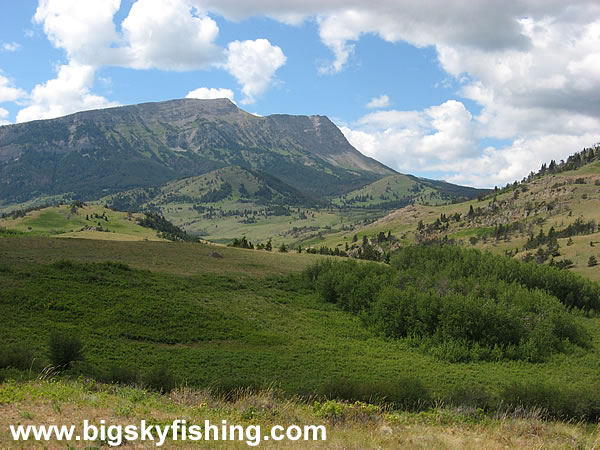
<point>225,189</point>
<point>552,217</point>
<point>80,221</point>
<point>94,153</point>
<point>399,190</point>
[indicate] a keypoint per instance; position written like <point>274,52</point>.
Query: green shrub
<point>64,349</point>
<point>442,300</point>
<point>343,412</point>
<point>18,357</point>
<point>555,401</point>
<point>402,393</point>
<point>160,379</point>
<point>122,375</point>
<point>453,263</point>
<point>352,285</point>
<point>470,396</point>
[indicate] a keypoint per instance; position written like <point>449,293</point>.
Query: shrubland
<point>464,305</point>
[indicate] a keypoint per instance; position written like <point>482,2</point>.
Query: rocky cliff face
<point>143,145</point>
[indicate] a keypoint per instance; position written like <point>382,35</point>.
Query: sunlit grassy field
<point>88,222</point>
<point>353,427</point>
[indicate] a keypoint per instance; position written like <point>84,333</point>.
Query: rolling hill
<point>550,217</point>
<point>77,221</point>
<point>210,168</point>
<point>399,190</point>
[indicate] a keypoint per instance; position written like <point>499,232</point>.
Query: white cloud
<point>163,34</point>
<point>3,116</point>
<point>532,66</point>
<point>10,46</point>
<point>83,28</point>
<point>69,92</point>
<point>382,101</point>
<point>499,166</point>
<point>445,139</point>
<point>253,64</point>
<point>416,140</point>
<point>156,34</point>
<point>169,34</point>
<point>210,93</point>
<point>8,91</point>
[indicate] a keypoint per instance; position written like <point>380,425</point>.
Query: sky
<point>478,93</point>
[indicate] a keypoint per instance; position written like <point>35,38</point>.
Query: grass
<point>347,425</point>
<point>572,200</point>
<point>169,257</point>
<point>62,221</point>
<point>227,331</point>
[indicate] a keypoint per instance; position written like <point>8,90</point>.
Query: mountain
<point>95,153</point>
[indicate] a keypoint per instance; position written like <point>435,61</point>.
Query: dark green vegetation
<point>165,228</point>
<point>204,325</point>
<point>463,305</point>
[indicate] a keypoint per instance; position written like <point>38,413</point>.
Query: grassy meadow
<point>86,222</point>
<point>178,306</point>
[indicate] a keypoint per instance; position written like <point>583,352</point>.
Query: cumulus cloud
<point>533,67</point>
<point>210,93</point>
<point>3,116</point>
<point>382,101</point>
<point>8,91</point>
<point>156,34</point>
<point>253,64</point>
<point>69,92</point>
<point>163,34</point>
<point>445,139</point>
<point>414,140</point>
<point>83,28</point>
<point>169,34</point>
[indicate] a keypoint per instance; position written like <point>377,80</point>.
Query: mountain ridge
<point>176,139</point>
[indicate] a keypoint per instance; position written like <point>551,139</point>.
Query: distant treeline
<point>573,162</point>
<point>166,229</point>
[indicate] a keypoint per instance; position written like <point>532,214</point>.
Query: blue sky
<point>478,94</point>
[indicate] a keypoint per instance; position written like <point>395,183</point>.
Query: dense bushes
<point>460,305</point>
<point>17,357</point>
<point>452,262</point>
<point>353,286</point>
<point>64,349</point>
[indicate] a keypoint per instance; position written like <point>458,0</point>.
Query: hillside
<point>95,153</point>
<point>233,201</point>
<point>551,217</point>
<point>81,221</point>
<point>396,191</point>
